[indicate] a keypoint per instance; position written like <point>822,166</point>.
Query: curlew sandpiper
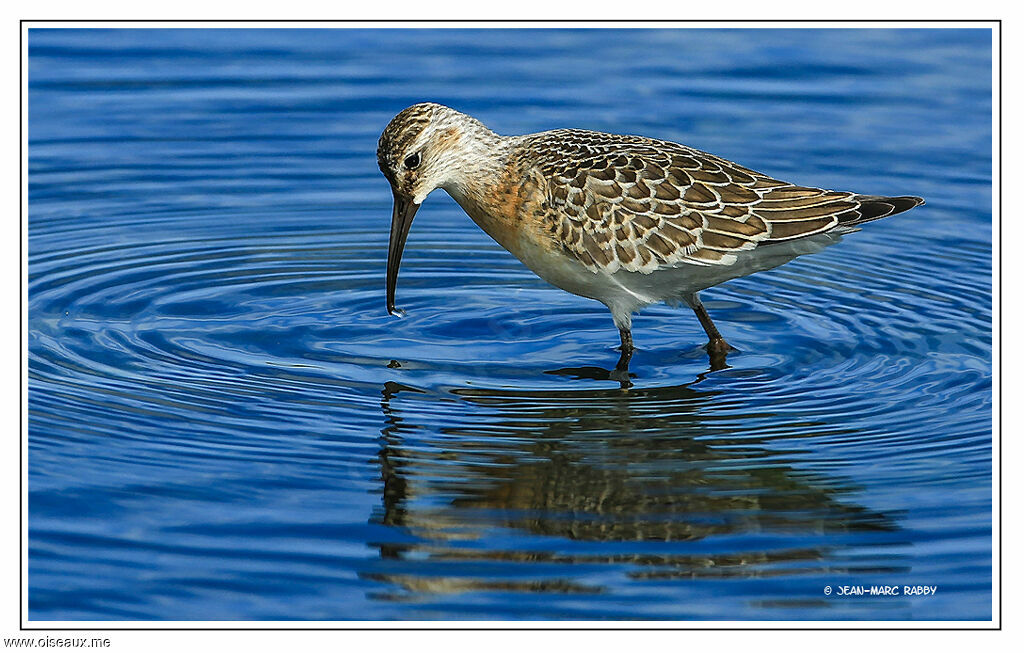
<point>626,220</point>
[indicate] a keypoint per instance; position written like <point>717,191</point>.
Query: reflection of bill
<point>652,465</point>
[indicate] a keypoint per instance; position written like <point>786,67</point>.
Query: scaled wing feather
<point>638,204</point>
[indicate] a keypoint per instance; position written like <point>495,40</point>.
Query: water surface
<point>225,424</point>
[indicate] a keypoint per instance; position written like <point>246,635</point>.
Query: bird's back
<point>636,204</point>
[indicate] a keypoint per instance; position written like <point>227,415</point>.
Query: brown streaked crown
<point>400,133</point>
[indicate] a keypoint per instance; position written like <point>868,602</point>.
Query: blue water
<point>224,423</point>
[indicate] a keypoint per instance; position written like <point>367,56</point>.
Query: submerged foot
<point>622,376</point>
<point>718,349</point>
<point>624,358</point>
<point>622,371</point>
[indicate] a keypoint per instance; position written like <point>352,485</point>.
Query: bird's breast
<point>511,212</point>
<point>503,209</point>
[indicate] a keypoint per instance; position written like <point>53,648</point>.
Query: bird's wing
<point>637,204</point>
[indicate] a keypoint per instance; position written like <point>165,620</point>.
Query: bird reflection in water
<point>595,470</point>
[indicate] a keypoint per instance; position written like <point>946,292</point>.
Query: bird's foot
<point>622,376</point>
<point>718,349</point>
<point>627,354</point>
<point>623,364</point>
<point>621,371</point>
<point>718,346</point>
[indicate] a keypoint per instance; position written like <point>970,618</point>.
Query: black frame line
<point>996,27</point>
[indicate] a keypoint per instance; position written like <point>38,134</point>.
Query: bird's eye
<point>412,161</point>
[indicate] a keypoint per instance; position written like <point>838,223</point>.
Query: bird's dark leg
<point>627,350</point>
<point>717,346</point>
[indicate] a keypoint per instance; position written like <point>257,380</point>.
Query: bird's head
<point>425,147</point>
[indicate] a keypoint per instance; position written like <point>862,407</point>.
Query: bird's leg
<point>717,346</point>
<point>627,350</point>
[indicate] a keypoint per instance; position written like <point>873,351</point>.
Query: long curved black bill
<point>401,220</point>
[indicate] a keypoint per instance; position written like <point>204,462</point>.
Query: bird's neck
<point>491,188</point>
<point>477,164</point>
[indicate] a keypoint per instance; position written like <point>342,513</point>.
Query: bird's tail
<point>874,207</point>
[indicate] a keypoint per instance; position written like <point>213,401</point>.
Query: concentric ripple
<point>224,423</point>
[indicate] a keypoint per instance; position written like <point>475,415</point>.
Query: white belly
<point>627,292</point>
<point>619,291</point>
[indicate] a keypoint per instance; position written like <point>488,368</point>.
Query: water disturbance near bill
<point>225,424</point>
